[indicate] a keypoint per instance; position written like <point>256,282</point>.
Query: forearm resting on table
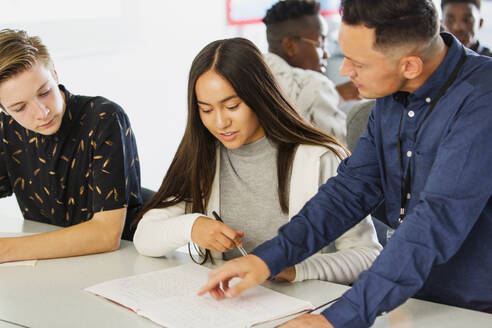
<point>100,234</point>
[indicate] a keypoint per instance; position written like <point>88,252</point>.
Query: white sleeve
<point>163,230</point>
<point>355,251</point>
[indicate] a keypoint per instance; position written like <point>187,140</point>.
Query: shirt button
<point>409,153</point>
<point>427,100</point>
<point>411,113</point>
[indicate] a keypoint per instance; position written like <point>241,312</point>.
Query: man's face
<point>463,20</point>
<point>373,73</point>
<point>34,100</point>
<point>310,50</point>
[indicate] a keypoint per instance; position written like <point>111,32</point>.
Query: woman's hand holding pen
<point>215,235</point>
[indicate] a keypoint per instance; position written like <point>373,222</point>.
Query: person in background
<point>70,160</point>
<point>296,34</point>
<point>462,18</point>
<point>247,155</point>
<point>426,152</point>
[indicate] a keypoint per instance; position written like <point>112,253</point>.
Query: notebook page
<point>168,297</point>
<point>29,263</point>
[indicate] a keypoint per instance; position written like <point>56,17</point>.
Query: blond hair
<point>19,52</point>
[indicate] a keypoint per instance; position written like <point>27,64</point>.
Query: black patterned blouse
<point>89,165</point>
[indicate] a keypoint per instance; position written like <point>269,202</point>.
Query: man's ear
<point>55,74</point>
<point>51,67</point>
<point>411,67</point>
<point>289,46</point>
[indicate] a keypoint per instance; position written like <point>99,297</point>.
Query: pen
<point>240,248</point>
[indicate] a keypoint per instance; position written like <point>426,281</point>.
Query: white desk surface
<point>51,294</point>
<point>7,325</point>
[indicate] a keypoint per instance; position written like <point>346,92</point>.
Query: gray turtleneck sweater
<point>249,199</point>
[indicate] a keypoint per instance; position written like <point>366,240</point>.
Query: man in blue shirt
<point>70,160</point>
<point>426,152</point>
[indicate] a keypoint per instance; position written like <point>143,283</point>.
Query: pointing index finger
<point>216,277</point>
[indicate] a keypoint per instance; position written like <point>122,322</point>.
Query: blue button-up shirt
<point>442,251</point>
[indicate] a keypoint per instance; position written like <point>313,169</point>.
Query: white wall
<point>485,34</point>
<point>148,75</point>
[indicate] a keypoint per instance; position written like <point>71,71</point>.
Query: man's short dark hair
<point>476,3</point>
<point>290,9</point>
<point>396,22</point>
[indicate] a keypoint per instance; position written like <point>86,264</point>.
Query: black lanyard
<point>405,187</point>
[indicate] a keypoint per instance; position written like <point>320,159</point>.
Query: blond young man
<point>70,160</point>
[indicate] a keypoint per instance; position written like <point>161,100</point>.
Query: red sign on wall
<point>242,12</point>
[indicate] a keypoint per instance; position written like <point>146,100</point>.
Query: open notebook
<point>169,298</point>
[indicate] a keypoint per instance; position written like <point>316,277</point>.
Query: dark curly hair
<point>286,18</point>
<point>290,9</point>
<point>395,22</point>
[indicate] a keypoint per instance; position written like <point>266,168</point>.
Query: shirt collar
<point>259,147</point>
<point>68,119</point>
<point>278,62</point>
<point>403,97</point>
<point>431,87</point>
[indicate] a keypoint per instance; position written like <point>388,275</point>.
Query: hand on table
<point>251,269</point>
<point>288,274</point>
<point>214,235</point>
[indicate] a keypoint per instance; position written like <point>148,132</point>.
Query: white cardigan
<point>161,231</point>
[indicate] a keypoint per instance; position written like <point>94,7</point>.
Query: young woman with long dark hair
<point>247,155</point>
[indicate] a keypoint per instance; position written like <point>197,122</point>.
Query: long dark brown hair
<point>192,170</point>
